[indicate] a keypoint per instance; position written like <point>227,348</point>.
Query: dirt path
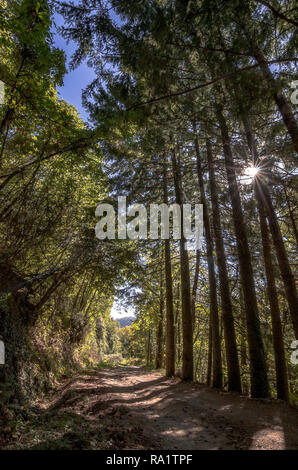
<point>130,408</point>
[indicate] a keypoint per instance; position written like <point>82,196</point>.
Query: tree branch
<point>203,85</point>
<point>277,13</point>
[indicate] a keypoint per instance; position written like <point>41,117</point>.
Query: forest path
<point>131,408</point>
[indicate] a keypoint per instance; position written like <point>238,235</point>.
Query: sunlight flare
<point>249,174</point>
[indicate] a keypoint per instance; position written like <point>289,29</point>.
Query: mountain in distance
<point>125,321</point>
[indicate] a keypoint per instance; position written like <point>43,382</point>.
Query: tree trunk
<point>282,257</point>
<point>283,106</point>
<point>187,351</point>
<point>216,347</point>
<point>243,343</point>
<point>159,331</point>
<point>234,381</point>
<point>291,214</point>
<point>278,344</point>
<point>159,334</point>
<point>148,358</point>
<point>258,370</point>
<point>209,364</point>
<point>264,199</point>
<point>170,330</point>
<point>177,327</point>
<point>243,351</point>
<point>194,289</point>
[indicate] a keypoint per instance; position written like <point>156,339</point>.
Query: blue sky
<point>75,80</point>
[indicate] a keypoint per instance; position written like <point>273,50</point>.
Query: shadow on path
<point>131,408</point>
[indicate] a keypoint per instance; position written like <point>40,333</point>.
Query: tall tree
<point>264,200</point>
<point>159,329</point>
<point>187,351</point>
<point>216,346</point>
<point>281,102</point>
<point>259,379</point>
<point>234,381</point>
<point>278,341</point>
<point>170,330</point>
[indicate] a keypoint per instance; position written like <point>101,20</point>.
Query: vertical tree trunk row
<point>234,381</point>
<point>278,342</point>
<point>187,346</point>
<point>264,199</point>
<point>170,330</point>
<point>258,370</point>
<point>216,346</point>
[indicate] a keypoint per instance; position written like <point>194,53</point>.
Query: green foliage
<point>57,280</point>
